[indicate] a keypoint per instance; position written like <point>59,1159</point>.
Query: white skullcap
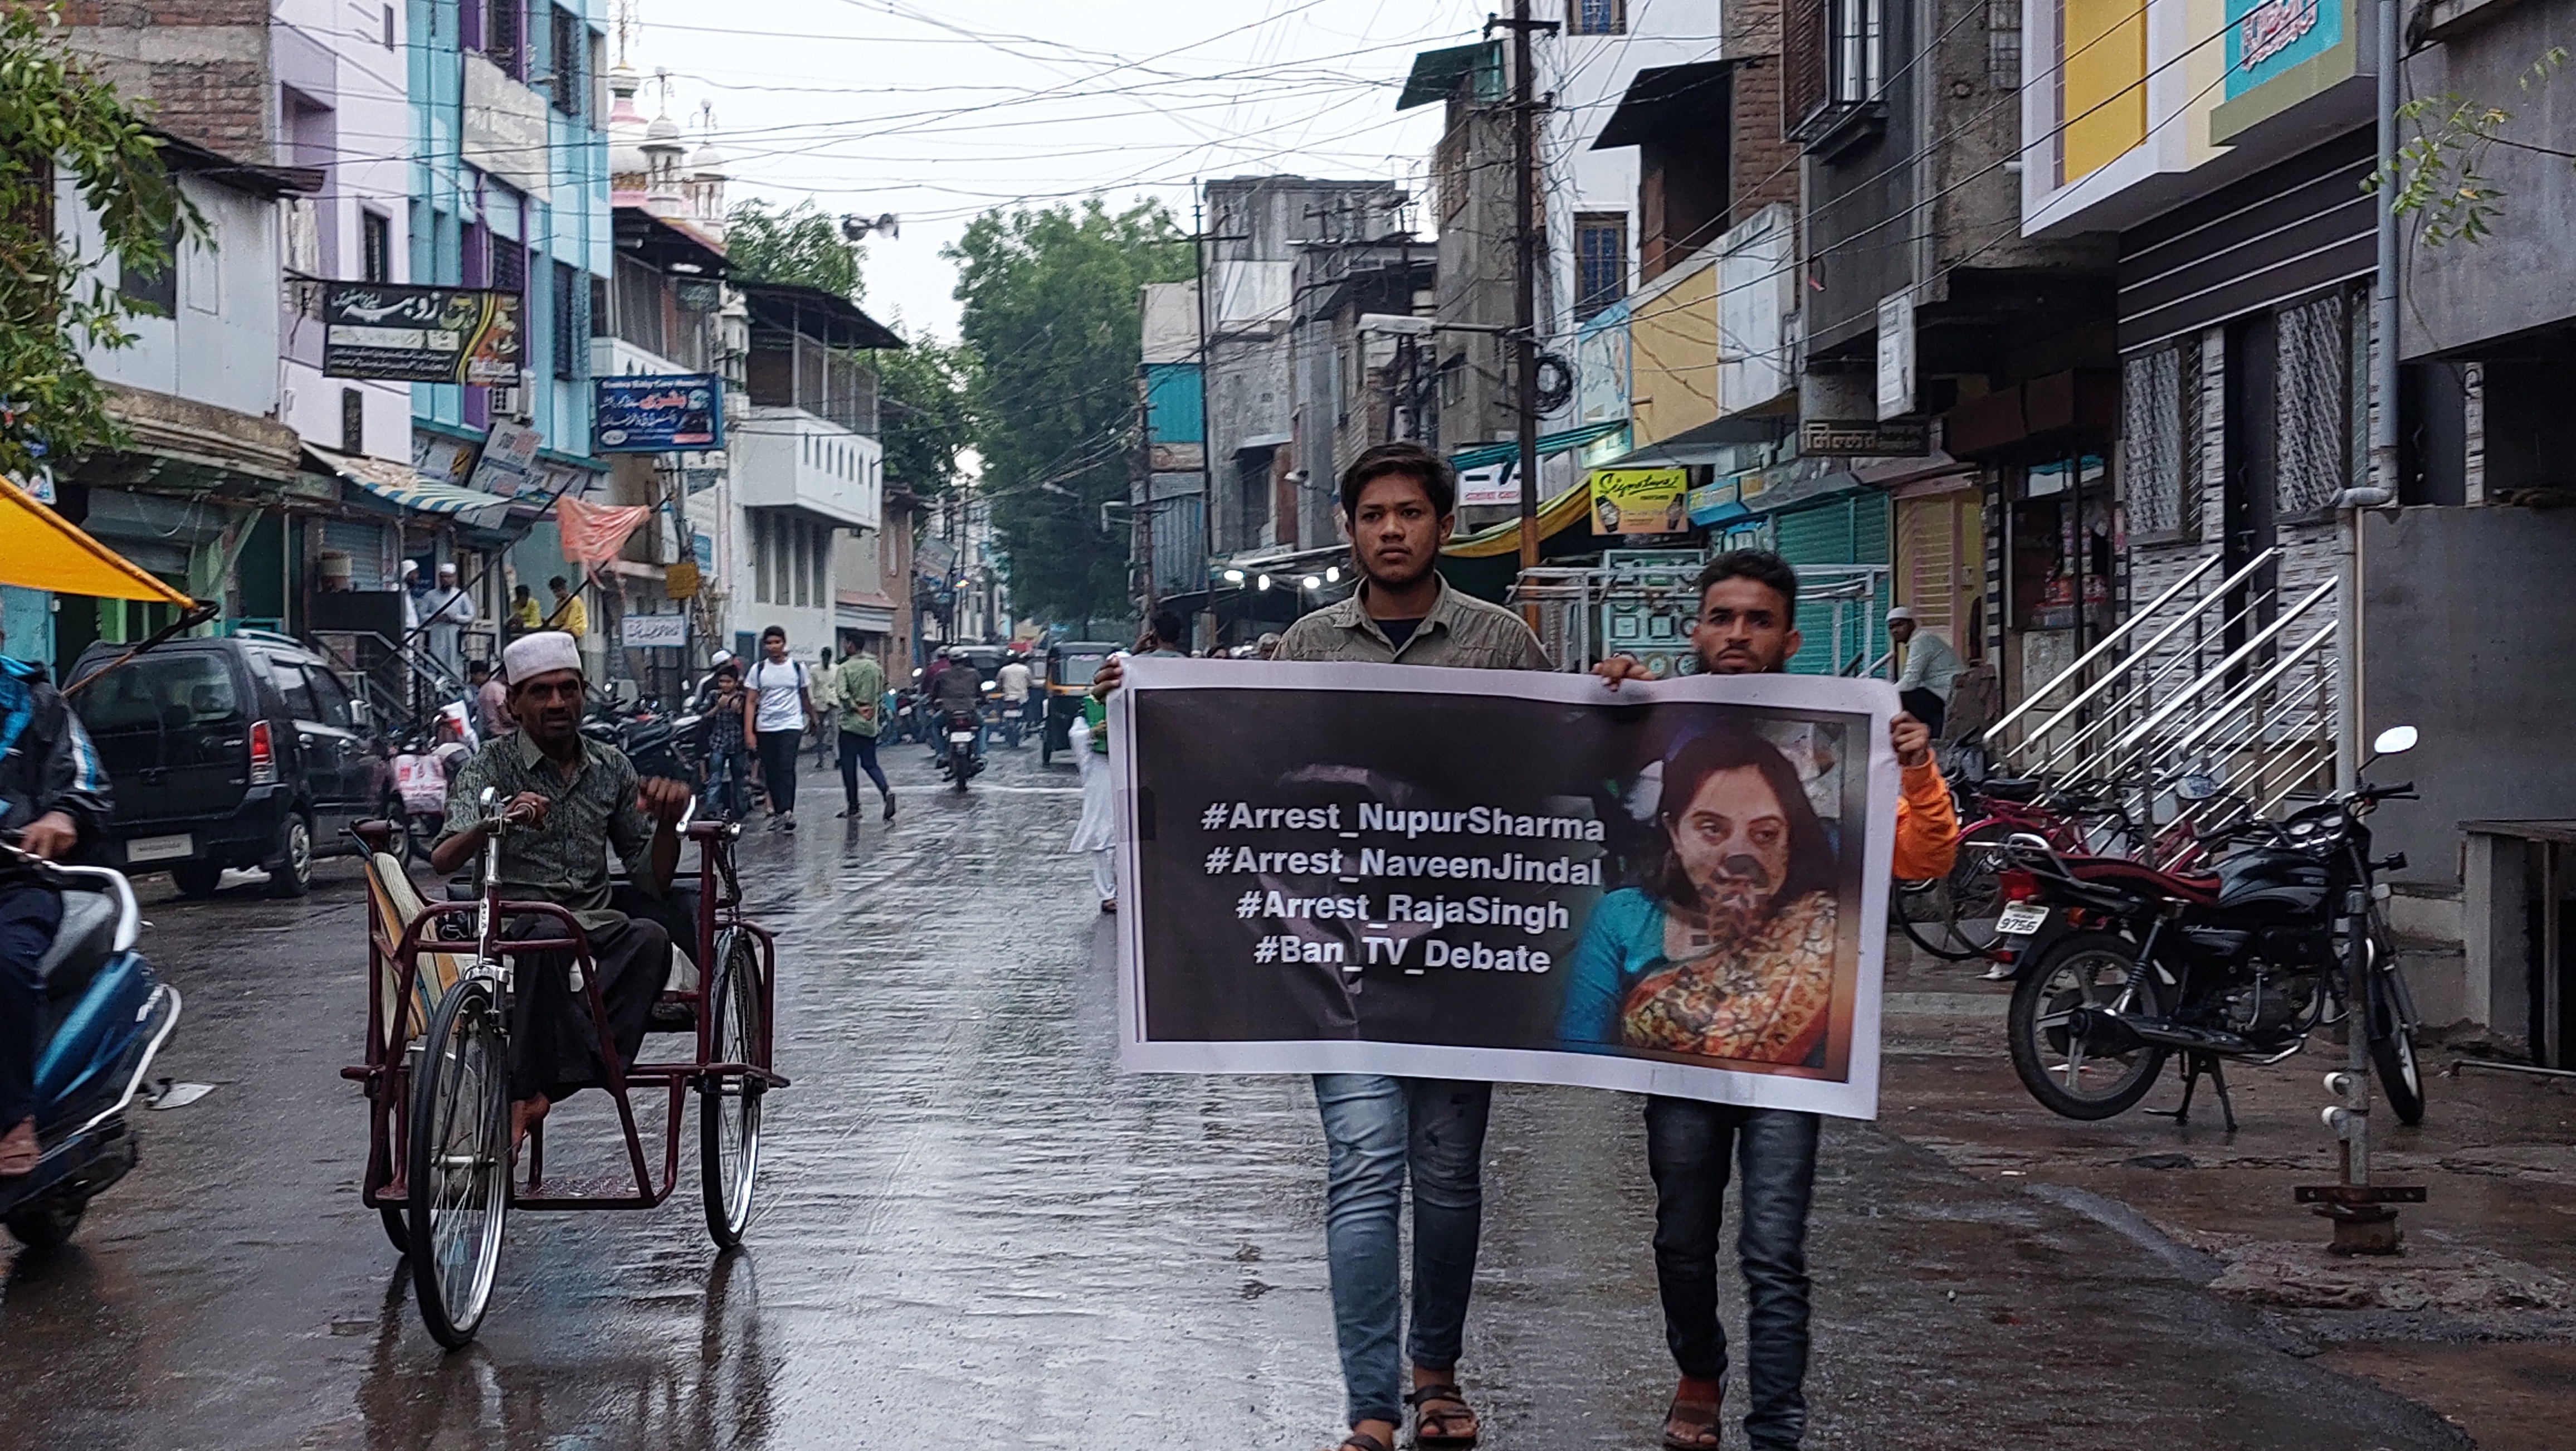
<point>411,566</point>
<point>718,658</point>
<point>1901,612</point>
<point>530,656</point>
<point>448,568</point>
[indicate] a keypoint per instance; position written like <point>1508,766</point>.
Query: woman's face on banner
<point>1733,843</point>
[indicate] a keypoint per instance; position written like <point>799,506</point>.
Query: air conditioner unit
<point>515,400</point>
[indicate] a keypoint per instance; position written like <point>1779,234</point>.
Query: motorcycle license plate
<point>961,738</point>
<point>160,848</point>
<point>2021,919</point>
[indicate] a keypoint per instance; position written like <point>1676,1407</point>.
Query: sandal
<point>1362,1441</point>
<point>1438,1429</point>
<point>1693,1425</point>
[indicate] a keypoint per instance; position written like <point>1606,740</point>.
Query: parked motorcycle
<point>2116,965</point>
<point>650,738</point>
<point>105,1016</point>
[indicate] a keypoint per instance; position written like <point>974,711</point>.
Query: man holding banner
<point>1723,960</point>
<point>1399,501</point>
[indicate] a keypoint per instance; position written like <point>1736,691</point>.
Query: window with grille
<point>571,337</point>
<point>2003,44</point>
<point>568,45</point>
<point>2151,453</point>
<point>1600,261</point>
<point>1859,45</point>
<point>376,243</point>
<point>2313,389</point>
<point>1596,17</point>
<point>503,24</point>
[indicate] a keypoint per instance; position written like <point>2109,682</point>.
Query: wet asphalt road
<point>974,1232</point>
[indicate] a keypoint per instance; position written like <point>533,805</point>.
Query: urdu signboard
<point>406,334</point>
<point>658,413</point>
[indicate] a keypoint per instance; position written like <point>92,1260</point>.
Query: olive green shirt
<point>565,861</point>
<point>857,692</point>
<point>1460,630</point>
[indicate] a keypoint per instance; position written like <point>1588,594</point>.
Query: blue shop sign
<point>658,413</point>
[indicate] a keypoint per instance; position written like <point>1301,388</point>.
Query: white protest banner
<point>1678,888</point>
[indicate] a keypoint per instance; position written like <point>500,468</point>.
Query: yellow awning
<point>1562,512</point>
<point>45,551</point>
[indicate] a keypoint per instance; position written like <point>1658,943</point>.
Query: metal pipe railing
<point>2118,633</point>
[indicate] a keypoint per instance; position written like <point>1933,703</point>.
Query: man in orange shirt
<point>1747,625</point>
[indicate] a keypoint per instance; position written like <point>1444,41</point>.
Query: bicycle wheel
<point>460,1160</point>
<point>1976,891</point>
<point>729,1110</point>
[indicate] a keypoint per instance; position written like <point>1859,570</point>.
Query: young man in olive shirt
<point>1399,503</point>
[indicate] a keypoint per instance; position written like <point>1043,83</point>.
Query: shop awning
<point>401,485</point>
<point>48,552</point>
<point>1485,455</point>
<point>1563,512</point>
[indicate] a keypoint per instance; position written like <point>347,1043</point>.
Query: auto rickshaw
<point>1070,665</point>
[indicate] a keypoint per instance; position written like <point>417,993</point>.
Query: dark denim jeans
<point>1376,1128</point>
<point>1688,1146</point>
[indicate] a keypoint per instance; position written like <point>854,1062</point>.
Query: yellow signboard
<point>1640,501</point>
<point>680,580</point>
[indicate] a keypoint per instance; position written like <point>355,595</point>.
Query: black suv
<point>237,751</point>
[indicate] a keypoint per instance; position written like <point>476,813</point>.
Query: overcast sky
<point>936,111</point>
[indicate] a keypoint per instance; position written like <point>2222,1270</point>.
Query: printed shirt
<point>724,723</point>
<point>779,684</point>
<point>564,861</point>
<point>1459,630</point>
<point>858,689</point>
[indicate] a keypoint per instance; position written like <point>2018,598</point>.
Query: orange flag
<point>593,533</point>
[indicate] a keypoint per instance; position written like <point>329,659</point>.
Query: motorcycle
<point>650,739</point>
<point>105,1017</point>
<point>422,764</point>
<point>2117,965</point>
<point>960,765</point>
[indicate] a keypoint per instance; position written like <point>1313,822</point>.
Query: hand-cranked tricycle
<point>440,1167</point>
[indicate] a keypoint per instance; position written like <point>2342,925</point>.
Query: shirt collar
<point>532,759</point>
<point>1354,613</point>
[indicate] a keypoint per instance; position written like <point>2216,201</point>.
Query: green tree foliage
<point>923,416</point>
<point>2439,171</point>
<point>923,413</point>
<point>1051,313</point>
<point>798,244</point>
<point>58,120</point>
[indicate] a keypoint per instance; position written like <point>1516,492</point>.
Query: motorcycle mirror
<point>2198,786</point>
<point>2394,741</point>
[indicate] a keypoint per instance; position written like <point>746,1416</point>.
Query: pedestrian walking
<point>1399,501</point>
<point>1746,625</point>
<point>728,755</point>
<point>1929,672</point>
<point>491,700</point>
<point>856,690</point>
<point>1097,832</point>
<point>449,609</point>
<point>822,737</point>
<point>780,702</point>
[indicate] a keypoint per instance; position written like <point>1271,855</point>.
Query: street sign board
<point>1863,438</point>
<point>654,632</point>
<point>407,334</point>
<point>658,413</point>
<point>509,463</point>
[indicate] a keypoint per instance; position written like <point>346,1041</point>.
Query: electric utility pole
<point>1525,237</point>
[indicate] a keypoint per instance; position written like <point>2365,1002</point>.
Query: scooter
<point>105,1016</point>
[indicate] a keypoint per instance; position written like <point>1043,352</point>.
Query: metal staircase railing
<point>2218,677</point>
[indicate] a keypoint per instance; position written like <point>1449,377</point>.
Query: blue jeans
<point>29,916</point>
<point>1375,1130</point>
<point>729,783</point>
<point>1688,1145</point>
